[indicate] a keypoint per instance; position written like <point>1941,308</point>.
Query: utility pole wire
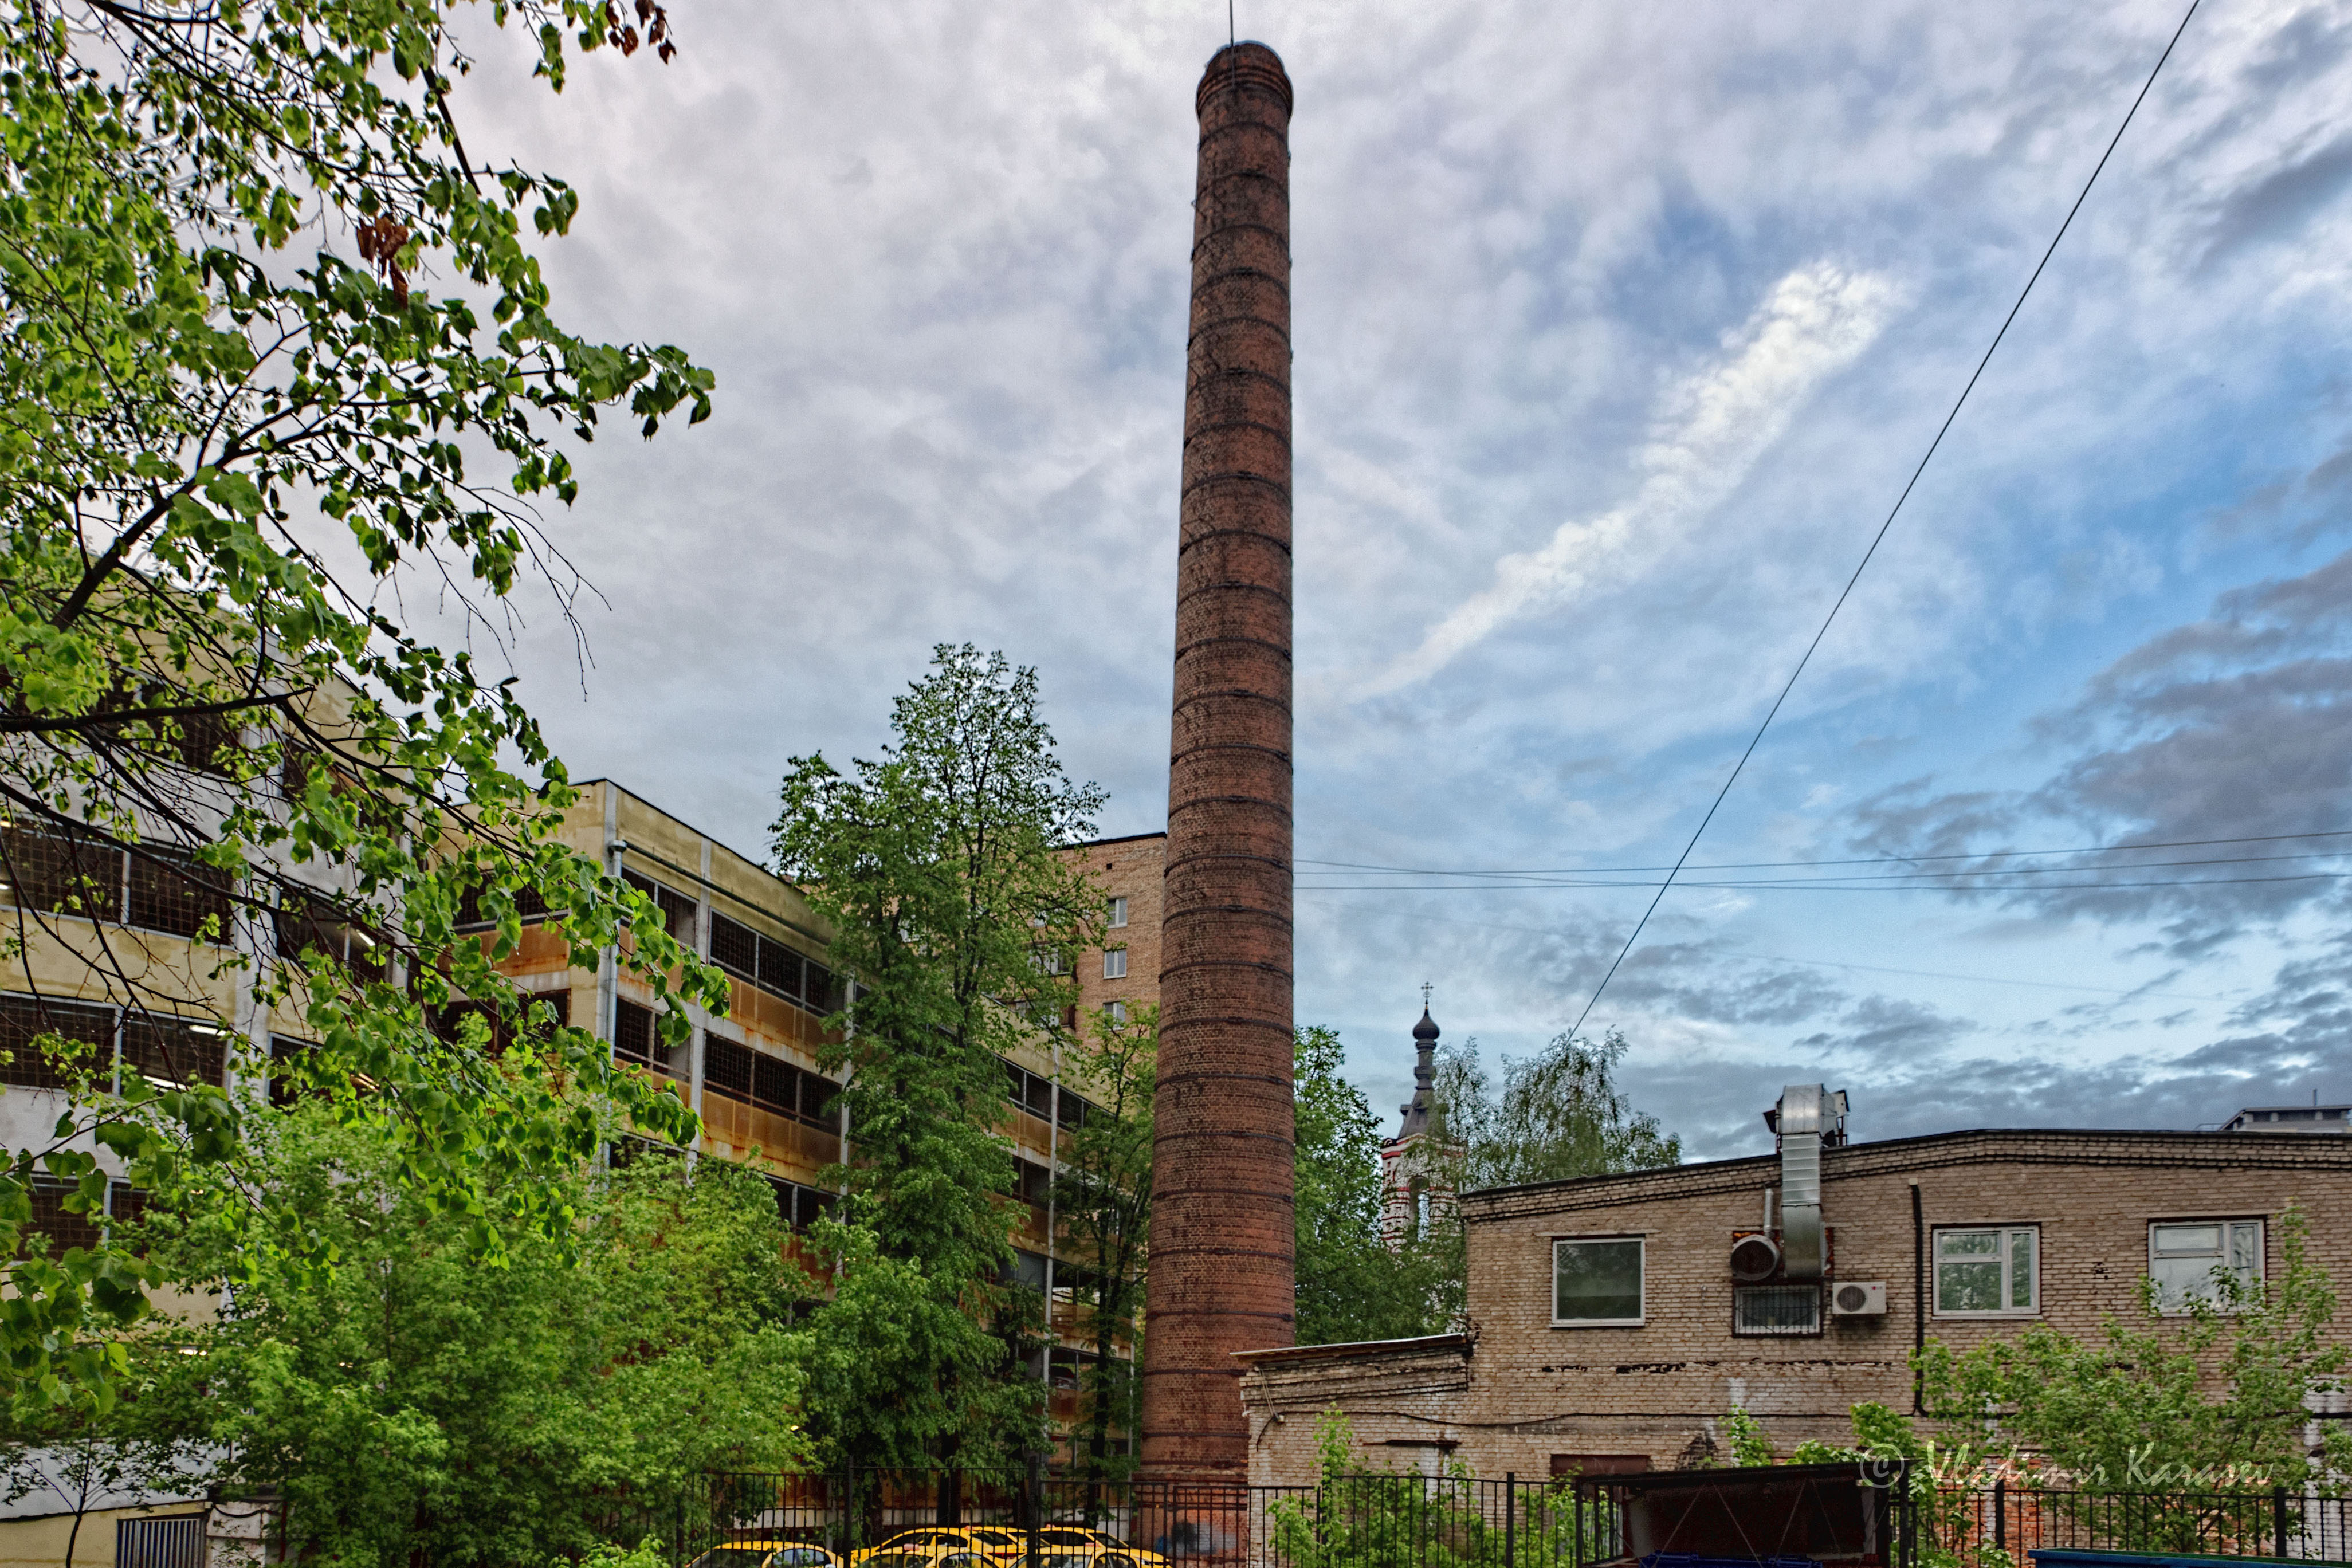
<point>1879,538</point>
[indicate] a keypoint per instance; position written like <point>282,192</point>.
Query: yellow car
<point>977,1546</point>
<point>1073,1546</point>
<point>767,1554</point>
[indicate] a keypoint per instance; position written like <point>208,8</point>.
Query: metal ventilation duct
<point>1808,1115</point>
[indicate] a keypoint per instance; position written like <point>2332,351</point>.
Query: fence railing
<point>1407,1521</point>
<point>1989,1527</point>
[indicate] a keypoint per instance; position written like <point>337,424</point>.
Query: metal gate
<point>174,1541</point>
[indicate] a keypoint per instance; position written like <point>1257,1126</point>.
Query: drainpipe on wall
<point>1918,1303</point>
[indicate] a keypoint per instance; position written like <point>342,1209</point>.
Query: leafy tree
<point>1102,1202</point>
<point>409,1406</point>
<point>1558,1115</point>
<point>935,868</point>
<point>1352,1284</point>
<point>264,314</point>
<point>2208,1399</point>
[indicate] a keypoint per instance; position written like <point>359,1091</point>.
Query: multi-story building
<point>1124,974</point>
<point>1612,1320</point>
<point>752,1074</point>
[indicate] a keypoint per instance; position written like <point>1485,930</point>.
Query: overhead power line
<point>1879,538</point>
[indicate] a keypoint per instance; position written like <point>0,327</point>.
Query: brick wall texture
<point>1132,869</point>
<point>1221,1221</point>
<point>1526,1391</point>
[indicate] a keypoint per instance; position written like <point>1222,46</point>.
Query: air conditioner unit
<point>1859,1298</point>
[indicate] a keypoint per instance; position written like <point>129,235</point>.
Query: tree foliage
<point>277,349</point>
<point>935,868</point>
<point>408,1406</point>
<point>1559,1113</point>
<point>1352,1284</point>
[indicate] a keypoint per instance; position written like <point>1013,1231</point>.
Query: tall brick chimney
<point>1222,1236</point>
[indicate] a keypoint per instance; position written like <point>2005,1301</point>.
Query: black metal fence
<point>1995,1526</point>
<point>1047,1520</point>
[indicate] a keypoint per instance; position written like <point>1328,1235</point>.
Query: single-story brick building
<point>1612,1320</point>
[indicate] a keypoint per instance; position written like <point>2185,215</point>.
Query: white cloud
<point>1710,430</point>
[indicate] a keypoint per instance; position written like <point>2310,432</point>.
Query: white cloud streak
<point>1710,431</point>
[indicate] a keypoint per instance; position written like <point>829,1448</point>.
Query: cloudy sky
<point>1618,329</point>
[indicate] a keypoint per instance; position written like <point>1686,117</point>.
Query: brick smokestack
<point>1221,1236</point>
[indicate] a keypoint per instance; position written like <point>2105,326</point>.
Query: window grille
<point>286,1085</point>
<point>174,1541</point>
<point>61,874</point>
<point>62,1227</point>
<point>175,1050</point>
<point>727,1068</point>
<point>779,969</point>
<point>1776,1309</point>
<point>635,1037</point>
<point>311,928</point>
<point>530,904</point>
<point>171,892</point>
<point>24,1019</point>
<point>755,1078</point>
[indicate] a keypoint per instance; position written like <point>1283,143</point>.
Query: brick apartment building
<point>1610,1328</point>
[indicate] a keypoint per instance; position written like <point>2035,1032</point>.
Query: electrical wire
<point>1879,538</point>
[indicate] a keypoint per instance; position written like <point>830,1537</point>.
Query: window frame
<point>2004,1228</point>
<point>1119,913</point>
<point>1120,954</point>
<point>1641,1243</point>
<point>2261,1222</point>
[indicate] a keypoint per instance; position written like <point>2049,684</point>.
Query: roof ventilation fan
<point>1754,1258</point>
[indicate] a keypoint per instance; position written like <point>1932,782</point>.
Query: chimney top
<point>1243,65</point>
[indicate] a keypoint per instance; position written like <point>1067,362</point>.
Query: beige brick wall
<point>1533,1390</point>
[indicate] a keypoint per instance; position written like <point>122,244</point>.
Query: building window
<point>754,1078</point>
<point>174,1052</point>
<point>1029,1091</point>
<point>801,1207</point>
<point>638,1038</point>
<point>1596,1283</point>
<point>1114,963</point>
<point>772,966</point>
<point>86,1030</point>
<point>1118,1012</point>
<point>677,909</point>
<point>154,888</point>
<point>1776,1310</point>
<point>2183,1257</point>
<point>1047,960</point>
<point>1988,1272</point>
<point>1118,913</point>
